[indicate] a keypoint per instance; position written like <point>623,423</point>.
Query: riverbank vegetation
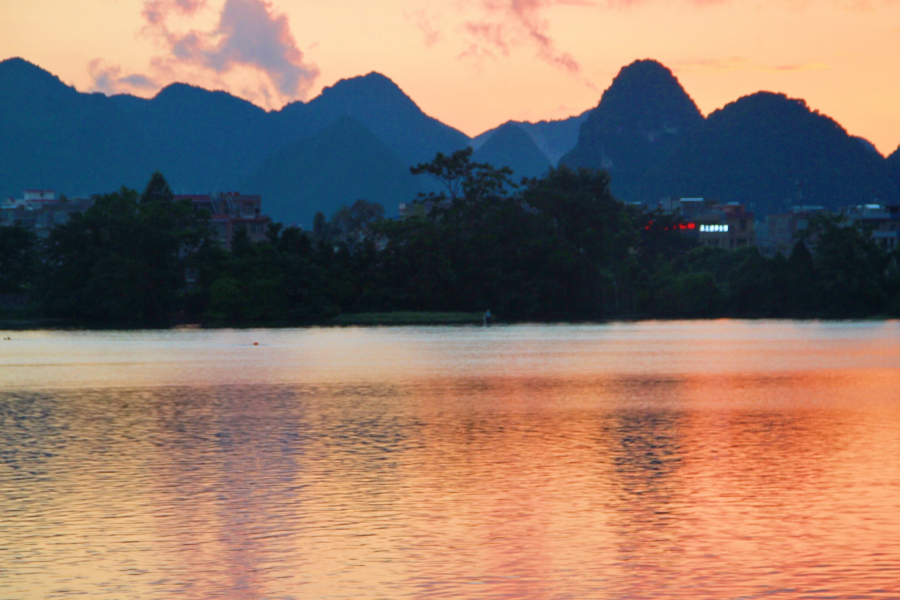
<point>559,248</point>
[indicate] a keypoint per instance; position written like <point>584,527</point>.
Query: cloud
<point>156,12</point>
<point>505,24</point>
<point>427,25</point>
<point>108,79</point>
<point>249,34</point>
<point>138,81</point>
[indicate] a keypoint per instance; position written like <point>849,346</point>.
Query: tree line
<point>557,248</point>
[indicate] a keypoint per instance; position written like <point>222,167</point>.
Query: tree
<point>801,292</point>
<point>750,284</point>
<point>321,228</point>
<point>463,178</point>
<point>18,250</point>
<point>352,224</point>
<point>123,260</point>
<point>850,268</point>
<point>590,237</point>
<point>157,190</point>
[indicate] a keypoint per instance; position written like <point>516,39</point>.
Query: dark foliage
<point>157,189</point>
<point>123,261</point>
<point>18,259</point>
<point>556,248</point>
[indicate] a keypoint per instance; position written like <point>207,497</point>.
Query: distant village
<point>41,210</point>
<point>711,222</point>
<point>731,226</point>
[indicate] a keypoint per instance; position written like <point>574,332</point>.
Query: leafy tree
<point>850,268</point>
<point>662,237</point>
<point>462,178</point>
<point>750,284</point>
<point>352,224</point>
<point>157,190</point>
<point>18,254</point>
<point>801,293</point>
<point>690,294</point>
<point>591,236</point>
<point>122,260</point>
<point>321,227</point>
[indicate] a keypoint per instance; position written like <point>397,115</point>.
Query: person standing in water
<point>487,318</point>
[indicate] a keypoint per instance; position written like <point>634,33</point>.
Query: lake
<point>695,459</point>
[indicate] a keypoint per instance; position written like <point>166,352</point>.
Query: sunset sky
<point>476,63</point>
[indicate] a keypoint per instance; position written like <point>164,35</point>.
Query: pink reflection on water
<point>539,463</point>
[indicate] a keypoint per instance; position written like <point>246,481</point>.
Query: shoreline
<point>390,319</point>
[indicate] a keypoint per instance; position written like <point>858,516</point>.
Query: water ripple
<point>449,480</point>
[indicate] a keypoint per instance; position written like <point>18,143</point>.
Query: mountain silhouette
<point>553,138</point>
<point>341,164</point>
<point>360,136</point>
<point>867,144</point>
<point>771,152</point>
<point>510,146</point>
<point>378,103</point>
<point>52,136</point>
<point>637,124</point>
<point>200,139</point>
<point>893,166</point>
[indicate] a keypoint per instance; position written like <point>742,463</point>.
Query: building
<point>713,224</point>
<point>41,210</point>
<point>229,211</point>
<point>422,207</point>
<point>783,230</point>
<point>882,220</point>
<point>728,226</point>
<point>38,196</point>
<point>412,209</point>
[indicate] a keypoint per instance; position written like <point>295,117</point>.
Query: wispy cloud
<point>427,24</point>
<point>249,34</point>
<point>108,79</point>
<point>505,24</point>
<point>156,12</point>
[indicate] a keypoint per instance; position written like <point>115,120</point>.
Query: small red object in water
<point>256,343</point>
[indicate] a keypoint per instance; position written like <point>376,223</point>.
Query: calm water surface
<point>654,460</point>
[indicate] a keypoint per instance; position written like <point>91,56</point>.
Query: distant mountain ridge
<point>299,180</point>
<point>771,152</point>
<point>511,146</point>
<point>359,137</point>
<point>378,103</point>
<point>893,164</point>
<point>552,138</point>
<point>639,121</point>
<point>765,150</point>
<point>52,136</point>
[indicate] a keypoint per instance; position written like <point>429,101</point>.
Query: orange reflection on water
<point>450,466</point>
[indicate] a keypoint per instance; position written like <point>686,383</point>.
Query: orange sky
<point>476,63</point>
